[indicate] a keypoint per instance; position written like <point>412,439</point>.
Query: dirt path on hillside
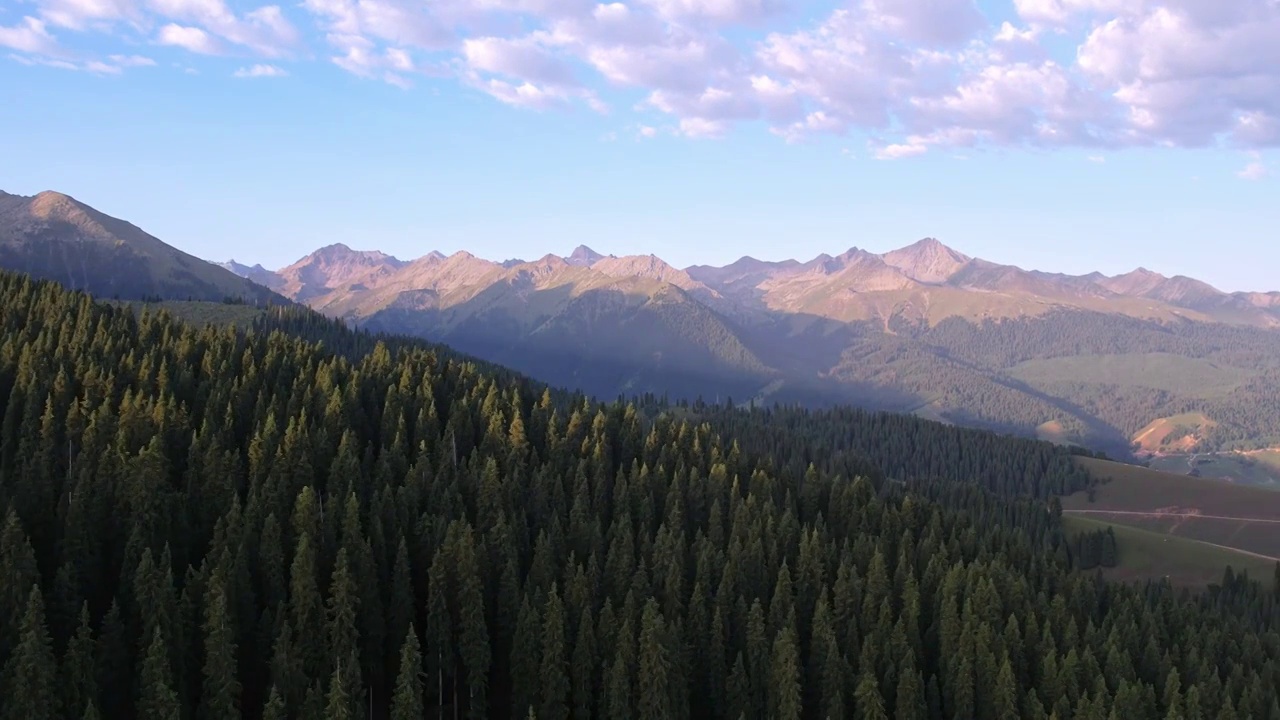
<point>1171,514</point>
<point>1260,556</point>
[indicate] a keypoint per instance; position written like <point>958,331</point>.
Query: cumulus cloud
<point>28,36</point>
<point>721,11</point>
<point>189,38</point>
<point>523,58</point>
<point>261,71</point>
<point>131,61</point>
<point>81,14</point>
<point>896,151</point>
<point>913,75</point>
<point>265,30</point>
<point>1193,74</point>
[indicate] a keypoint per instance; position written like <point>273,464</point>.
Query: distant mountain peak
<point>1143,272</point>
<point>1136,283</point>
<point>342,251</point>
<point>927,261</point>
<point>244,271</point>
<point>583,256</point>
<point>52,205</point>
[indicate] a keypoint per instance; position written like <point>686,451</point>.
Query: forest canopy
<point>297,521</point>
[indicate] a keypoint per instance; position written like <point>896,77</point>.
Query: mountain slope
<point>56,237</point>
<point>877,330</point>
<point>924,329</point>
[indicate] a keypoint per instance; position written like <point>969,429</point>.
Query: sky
<point>1062,135</point>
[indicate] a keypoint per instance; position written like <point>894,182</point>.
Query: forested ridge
<point>297,521</point>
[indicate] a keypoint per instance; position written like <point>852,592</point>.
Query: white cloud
<point>896,151</point>
<point>1255,170</point>
<point>647,131</point>
<point>265,30</point>
<point>525,94</point>
<point>261,71</point>
<point>398,22</point>
<point>29,36</point>
<point>192,39</point>
<point>703,128</point>
<point>81,14</point>
<point>522,58</point>
<point>1060,11</point>
<point>131,61</point>
<point>722,11</point>
<point>1190,75</point>
<point>912,74</point>
<point>1097,159</point>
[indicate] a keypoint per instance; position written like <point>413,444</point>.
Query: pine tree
<point>31,674</point>
<point>784,687</point>
<point>344,647</point>
<point>340,704</point>
<point>1006,694</point>
<point>220,689</point>
<point>275,708</point>
<point>439,638</point>
<point>157,701</point>
<point>653,683</point>
<point>583,667</point>
<point>526,658</point>
<point>407,703</point>
<point>113,661</point>
<point>909,703</point>
<point>79,685</point>
<point>554,675</point>
<point>738,702</point>
<point>474,633</point>
<point>867,700</point>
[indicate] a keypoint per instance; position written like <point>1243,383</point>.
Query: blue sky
<point>1081,135</point>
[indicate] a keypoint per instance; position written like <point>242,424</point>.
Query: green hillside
<point>1146,555</point>
<point>1201,509</point>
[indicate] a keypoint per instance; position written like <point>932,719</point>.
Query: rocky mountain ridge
<point>926,281</point>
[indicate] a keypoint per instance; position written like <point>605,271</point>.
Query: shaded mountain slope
<point>56,237</point>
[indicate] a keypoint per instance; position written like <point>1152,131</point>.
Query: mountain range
<point>925,281</point>
<point>924,329</point>
<point>1092,358</point>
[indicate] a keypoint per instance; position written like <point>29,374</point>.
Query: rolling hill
<point>57,237</point>
<point>1182,529</point>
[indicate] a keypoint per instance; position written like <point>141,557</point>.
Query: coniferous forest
<point>299,521</point>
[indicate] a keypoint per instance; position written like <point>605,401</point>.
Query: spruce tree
<point>785,697</point>
<point>653,682</point>
<point>220,689</point>
<point>157,700</point>
<point>275,708</point>
<point>407,703</point>
<point>31,674</point>
<point>79,684</point>
<point>554,683</point>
